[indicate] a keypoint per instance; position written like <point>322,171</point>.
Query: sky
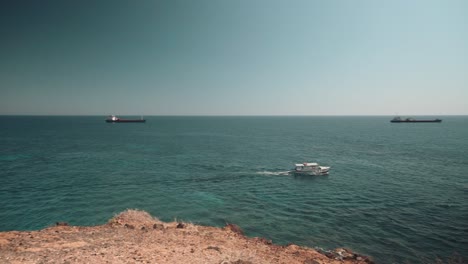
<point>238,57</point>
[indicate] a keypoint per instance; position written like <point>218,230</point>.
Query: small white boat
<point>310,168</point>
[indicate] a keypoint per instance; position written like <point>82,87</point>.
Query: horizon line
<point>216,115</point>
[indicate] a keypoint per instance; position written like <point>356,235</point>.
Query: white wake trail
<point>275,173</point>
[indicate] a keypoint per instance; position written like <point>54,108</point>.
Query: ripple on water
<point>385,195</point>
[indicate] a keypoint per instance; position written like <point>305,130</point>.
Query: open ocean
<point>396,192</point>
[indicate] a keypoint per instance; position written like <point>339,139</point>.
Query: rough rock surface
<point>136,237</point>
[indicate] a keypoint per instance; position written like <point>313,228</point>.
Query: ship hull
<point>126,121</point>
<point>416,121</point>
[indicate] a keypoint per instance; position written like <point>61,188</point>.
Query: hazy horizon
<point>215,115</point>
<point>234,58</point>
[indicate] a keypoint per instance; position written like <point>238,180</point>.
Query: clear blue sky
<point>240,57</point>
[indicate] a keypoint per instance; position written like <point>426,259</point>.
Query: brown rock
<point>239,261</point>
<point>234,228</point>
<point>111,243</point>
<point>214,248</point>
<point>158,226</point>
<point>129,226</point>
<point>263,240</point>
<point>310,261</point>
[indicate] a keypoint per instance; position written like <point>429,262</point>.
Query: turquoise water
<point>397,192</point>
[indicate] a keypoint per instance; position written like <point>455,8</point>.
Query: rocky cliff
<point>136,237</point>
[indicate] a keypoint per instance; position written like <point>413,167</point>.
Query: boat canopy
<point>307,164</point>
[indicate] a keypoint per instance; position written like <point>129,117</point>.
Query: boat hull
<point>313,172</point>
<point>308,173</point>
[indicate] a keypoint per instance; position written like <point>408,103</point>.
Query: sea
<point>397,192</point>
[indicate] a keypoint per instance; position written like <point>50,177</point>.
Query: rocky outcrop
<point>345,254</point>
<point>136,237</point>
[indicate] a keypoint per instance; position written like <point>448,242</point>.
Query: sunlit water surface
<point>397,192</point>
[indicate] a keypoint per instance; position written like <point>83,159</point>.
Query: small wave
<point>12,157</point>
<point>273,173</point>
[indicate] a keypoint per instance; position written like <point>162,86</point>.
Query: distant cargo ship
<point>398,119</point>
<point>114,119</point>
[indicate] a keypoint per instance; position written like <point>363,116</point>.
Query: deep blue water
<point>397,192</point>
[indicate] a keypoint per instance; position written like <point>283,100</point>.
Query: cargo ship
<point>398,119</point>
<point>114,119</point>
